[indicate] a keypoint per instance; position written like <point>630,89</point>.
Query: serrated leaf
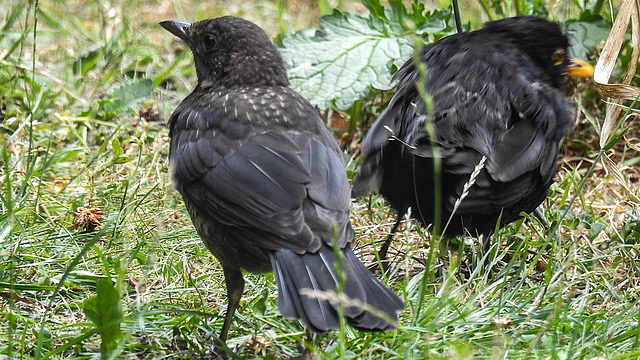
<point>126,96</point>
<point>338,63</point>
<point>585,35</point>
<point>375,8</point>
<point>437,24</point>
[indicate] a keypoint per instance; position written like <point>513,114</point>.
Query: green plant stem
<point>340,292</point>
<point>517,7</point>
<point>437,186</point>
<point>281,8</point>
<point>486,6</point>
<point>597,7</point>
<point>325,7</point>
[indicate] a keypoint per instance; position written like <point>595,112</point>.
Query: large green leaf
<point>340,62</point>
<point>337,63</point>
<point>585,35</point>
<point>125,96</point>
<point>105,312</point>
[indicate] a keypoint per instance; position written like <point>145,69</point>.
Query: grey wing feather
<point>283,189</point>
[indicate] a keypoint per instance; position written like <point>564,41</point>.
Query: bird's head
<point>230,52</point>
<point>545,43</point>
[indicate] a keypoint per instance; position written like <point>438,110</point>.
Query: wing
<point>497,106</point>
<point>394,125</point>
<point>502,108</point>
<point>280,188</point>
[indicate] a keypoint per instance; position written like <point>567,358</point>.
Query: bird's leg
<point>307,347</point>
<point>382,253</point>
<point>235,287</point>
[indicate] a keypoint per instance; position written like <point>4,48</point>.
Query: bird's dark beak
<point>177,28</point>
<point>579,68</point>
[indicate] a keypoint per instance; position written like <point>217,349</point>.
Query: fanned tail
<point>316,272</point>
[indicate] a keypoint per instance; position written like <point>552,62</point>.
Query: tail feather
<point>316,271</point>
<point>378,297</point>
<point>314,313</point>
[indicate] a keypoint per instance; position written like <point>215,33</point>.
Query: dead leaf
<point>501,323</point>
<point>260,343</point>
<point>149,114</point>
<point>618,92</point>
<point>15,297</point>
<point>87,219</point>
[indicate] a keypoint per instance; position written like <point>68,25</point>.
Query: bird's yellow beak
<point>579,68</point>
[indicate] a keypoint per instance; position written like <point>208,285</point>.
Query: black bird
<point>264,180</point>
<point>496,102</point>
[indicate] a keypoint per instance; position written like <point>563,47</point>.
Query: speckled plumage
<point>496,92</point>
<point>264,180</point>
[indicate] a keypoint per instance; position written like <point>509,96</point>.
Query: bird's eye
<point>558,57</point>
<point>209,42</point>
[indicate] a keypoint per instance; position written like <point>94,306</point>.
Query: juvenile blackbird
<point>264,181</point>
<point>496,93</point>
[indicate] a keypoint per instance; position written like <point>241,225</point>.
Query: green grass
<point>75,78</point>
